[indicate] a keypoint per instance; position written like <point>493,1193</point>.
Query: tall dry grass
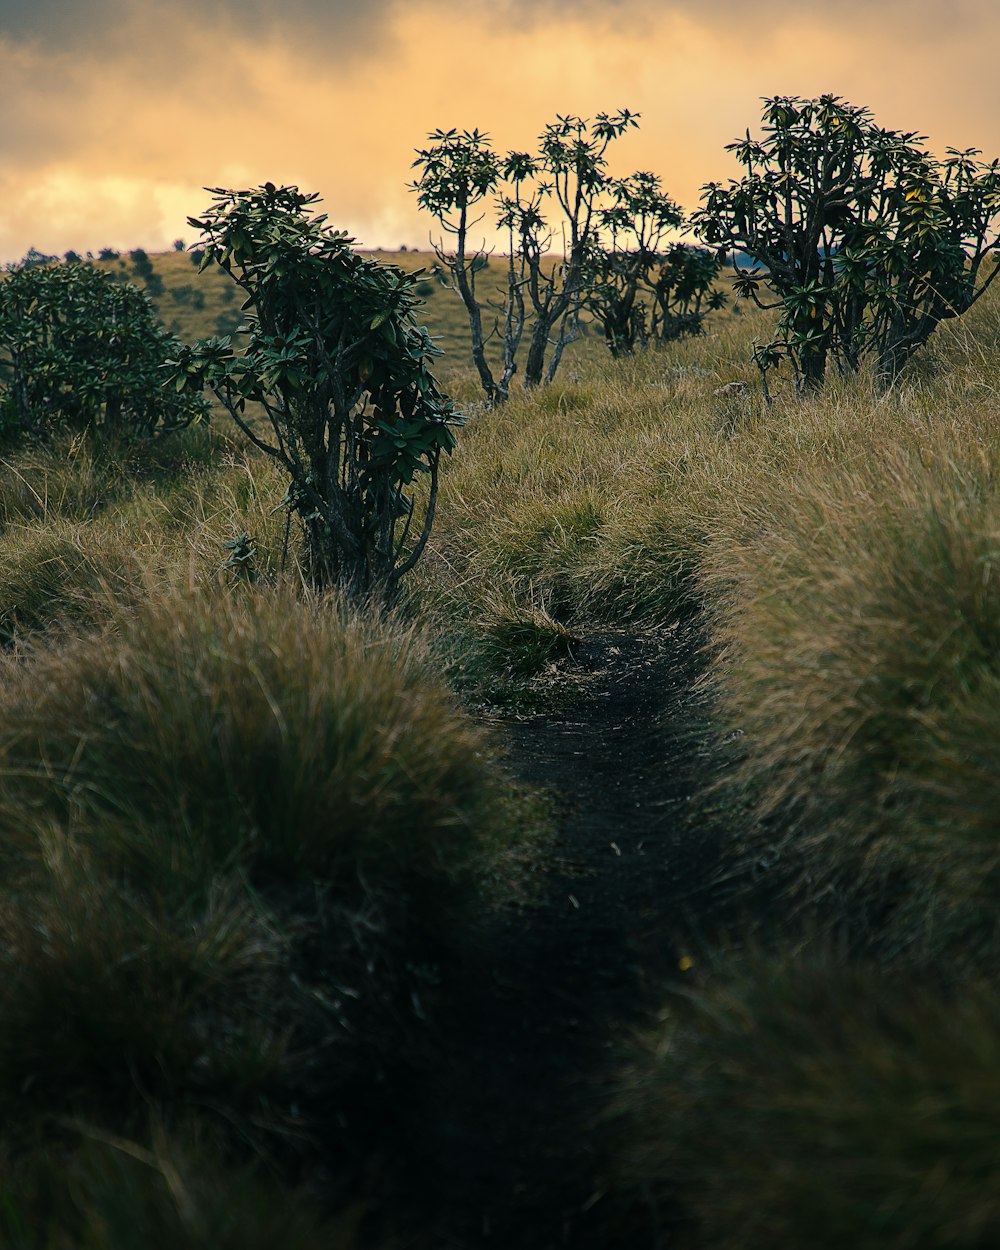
<point>239,830</point>
<point>801,1100</point>
<point>858,658</point>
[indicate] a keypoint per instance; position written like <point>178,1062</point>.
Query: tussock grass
<point>113,1191</point>
<point>76,478</point>
<point>522,637</point>
<point>239,829</point>
<point>801,1101</point>
<point>859,637</point>
<point>287,736</point>
<point>585,501</point>
<point>168,525</point>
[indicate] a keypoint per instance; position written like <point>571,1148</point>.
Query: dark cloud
<point>118,112</point>
<point>64,25</point>
<point>350,27</point>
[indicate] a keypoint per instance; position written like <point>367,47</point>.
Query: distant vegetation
<point>250,825</point>
<point>868,240</point>
<point>576,238</point>
<point>82,353</point>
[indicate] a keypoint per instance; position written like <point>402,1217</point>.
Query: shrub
<point>867,240</point>
<point>623,261</point>
<point>81,352</point>
<point>805,1102</point>
<point>342,375</point>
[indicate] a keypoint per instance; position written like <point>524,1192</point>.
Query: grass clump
<point>801,1101</point>
<point>528,641</point>
<point>861,661</point>
<point>289,737</point>
<point>110,1191</point>
<point>239,831</point>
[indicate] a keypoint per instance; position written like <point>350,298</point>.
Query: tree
<point>457,172</point>
<point>80,351</point>
<point>627,263</point>
<point>340,371</point>
<point>683,287</point>
<point>639,288</point>
<point>867,240</point>
<point>546,202</point>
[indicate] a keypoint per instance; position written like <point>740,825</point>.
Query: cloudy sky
<point>116,113</point>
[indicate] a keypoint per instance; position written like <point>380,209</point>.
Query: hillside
<point>197,304</point>
<point>632,882</point>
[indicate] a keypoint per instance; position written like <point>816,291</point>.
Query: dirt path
<point>509,1154</point>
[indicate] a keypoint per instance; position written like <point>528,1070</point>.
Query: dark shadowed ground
<point>508,1151</point>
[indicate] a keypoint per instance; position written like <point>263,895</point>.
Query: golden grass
<point>238,827</point>
<point>842,551</point>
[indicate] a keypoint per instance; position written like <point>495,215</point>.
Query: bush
<point>82,352</point>
<point>866,239</point>
<point>341,374</point>
<point>803,1102</point>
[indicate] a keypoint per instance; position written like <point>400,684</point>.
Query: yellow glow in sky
<point>121,120</point>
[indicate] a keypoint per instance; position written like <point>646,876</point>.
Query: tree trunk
<point>534,366</point>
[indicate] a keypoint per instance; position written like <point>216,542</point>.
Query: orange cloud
<point>123,119</point>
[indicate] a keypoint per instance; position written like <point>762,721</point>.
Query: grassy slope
<point>843,552</point>
<point>196,305</point>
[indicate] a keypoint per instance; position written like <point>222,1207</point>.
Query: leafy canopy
<point>79,351</point>
<point>334,381</point>
<point>867,239</point>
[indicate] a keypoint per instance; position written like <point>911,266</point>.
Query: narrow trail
<point>507,1151</point>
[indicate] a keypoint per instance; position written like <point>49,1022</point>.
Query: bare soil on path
<point>510,1149</point>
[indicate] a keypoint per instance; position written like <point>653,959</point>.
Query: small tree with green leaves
<point>79,351</point>
<point>623,256</point>
<point>868,241</point>
<point>334,383</point>
<point>458,171</point>
<point>547,204</point>
<point>682,283</point>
